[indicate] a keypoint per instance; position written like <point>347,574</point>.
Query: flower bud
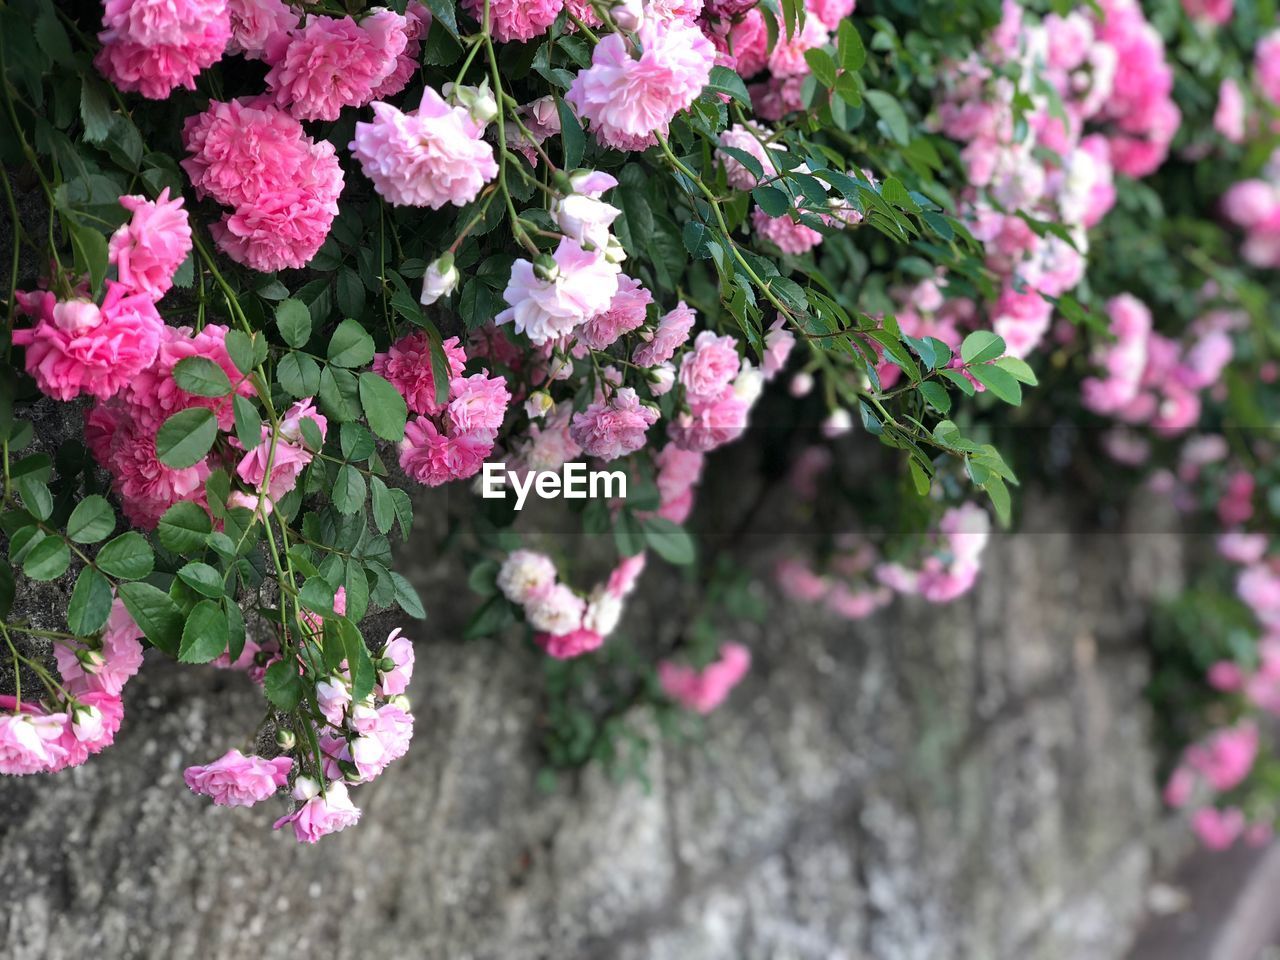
<point>76,316</point>
<point>614,252</point>
<point>838,423</point>
<point>749,384</point>
<point>285,739</point>
<point>86,722</point>
<point>661,379</point>
<point>627,14</point>
<point>386,665</point>
<point>440,280</point>
<point>801,384</point>
<point>539,404</point>
<point>400,702</point>
<point>546,268</point>
<point>304,788</point>
<point>477,101</point>
<point>91,661</point>
<point>350,772</point>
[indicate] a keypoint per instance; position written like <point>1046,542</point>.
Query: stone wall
<point>974,783</point>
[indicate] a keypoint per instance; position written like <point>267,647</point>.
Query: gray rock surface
<point>972,782</point>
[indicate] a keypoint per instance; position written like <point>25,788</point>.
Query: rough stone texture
<point>971,782</point>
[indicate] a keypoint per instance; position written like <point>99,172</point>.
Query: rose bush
<point>627,221</point>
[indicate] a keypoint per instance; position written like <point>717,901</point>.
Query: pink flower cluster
<point>952,568</point>
<point>1148,378</point>
<point>428,157</point>
<point>548,301</point>
<point>46,738</point>
<point>449,439</point>
<point>153,47</point>
<point>629,95</point>
<point>362,740</point>
<point>846,589</point>
<point>1208,769</point>
<point>565,624</point>
<point>1254,206</point>
<point>282,186</point>
<point>703,690</point>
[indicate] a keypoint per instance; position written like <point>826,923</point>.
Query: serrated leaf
<point>348,490</point>
<point>201,377</point>
<point>127,557</point>
<point>384,408</point>
<point>299,375</point>
<point>384,509</point>
<point>1020,370</point>
<point>248,422</point>
<point>981,346</point>
<point>407,597</point>
<point>155,613</point>
<point>90,603</point>
<point>999,382</point>
<point>185,438</point>
<point>36,497</point>
<point>282,685</point>
<point>293,320</point>
<point>92,520</point>
<point>205,634</point>
<point>350,346</point>
<point>184,528</point>
<point>669,541</point>
<point>937,396</point>
<point>202,578</point>
<point>48,559</point>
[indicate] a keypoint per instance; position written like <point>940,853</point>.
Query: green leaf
<point>357,585</point>
<point>890,111</point>
<point>348,490</point>
<point>90,604</point>
<point>186,437</point>
<point>127,557</point>
<point>299,375</point>
<point>723,80</point>
<point>960,380</point>
<point>92,520</point>
<point>317,596</point>
<point>248,422</point>
<point>91,253</point>
<point>351,345</point>
<point>999,495</point>
<point>282,685</point>
<point>771,200</point>
<point>407,597</point>
<point>492,616</point>
<point>1020,370</point>
<point>235,628</point>
<point>572,140</point>
<point>293,320</point>
<point>155,613</point>
<point>981,346</point>
<point>36,497</point>
<point>95,109</point>
<point>919,477</point>
<point>205,635</point>
<point>999,382</point>
<point>483,578</point>
<point>669,541</point>
<point>240,347</point>
<point>822,66</point>
<point>184,527</point>
<point>384,508</point>
<point>849,44</point>
<point>363,675</point>
<point>384,407</point>
<point>202,377</point>
<point>202,578</point>
<point>48,559</point>
<point>937,396</point>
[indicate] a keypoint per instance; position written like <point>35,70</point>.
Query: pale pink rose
<point>710,365</point>
<point>1250,203</point>
<point>1228,118</point>
<point>799,582</point>
<point>749,42</point>
<point>627,99</point>
<point>623,578</point>
<point>556,610</point>
<point>407,366</point>
<point>333,696</point>
<point>148,250</point>
<point>29,740</point>
<point>1267,64</point>
<point>87,727</point>
<point>478,406</point>
<point>516,19</point>
<point>319,814</point>
<point>702,691</point>
<point>332,62</point>
<point>1178,790</point>
<point>1211,11</point>
<point>395,665</point>
<point>286,455</point>
<point>417,23</point>
<point>524,574</point>
<point>99,359</point>
<point>433,458</point>
<point>1243,548</point>
<point>672,331</point>
<point>857,604</point>
<point>1218,829</point>
<point>789,236</point>
<point>614,428</point>
<point>830,12</point>
<point>108,669</point>
<point>711,423</point>
<point>778,343</point>
<point>234,780</point>
<point>427,158</point>
<point>1226,757</point>
<point>544,307</point>
<point>626,312</point>
<point>786,59</point>
<point>565,646</point>
<point>1226,675</point>
<point>256,24</point>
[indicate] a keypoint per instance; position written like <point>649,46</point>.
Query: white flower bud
<point>440,280</point>
<point>539,404</point>
<point>76,316</point>
<point>86,722</point>
<point>749,384</point>
<point>801,384</point>
<point>304,788</point>
<point>285,739</point>
<point>477,101</point>
<point>661,379</point>
<point>400,702</point>
<point>838,423</point>
<point>628,14</point>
